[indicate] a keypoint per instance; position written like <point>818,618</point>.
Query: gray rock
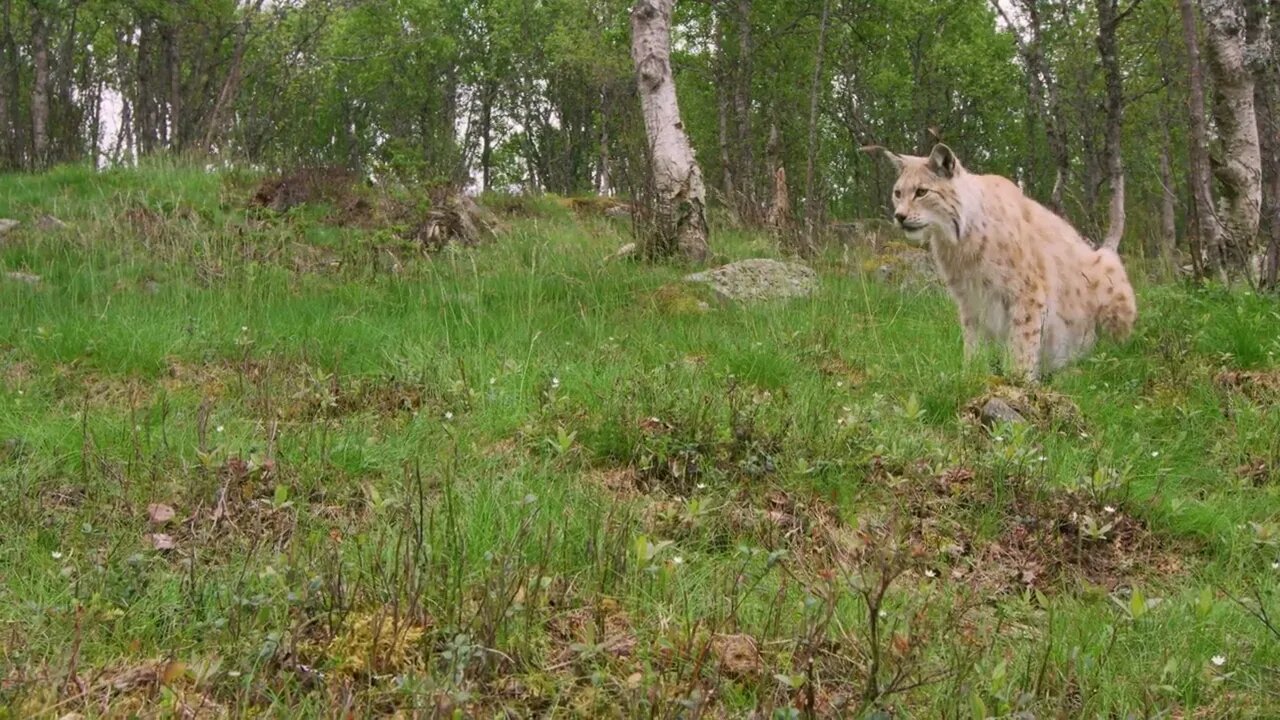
<point>759,279</point>
<point>996,411</point>
<point>6,225</point>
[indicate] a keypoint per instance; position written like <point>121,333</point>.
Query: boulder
<point>759,279</point>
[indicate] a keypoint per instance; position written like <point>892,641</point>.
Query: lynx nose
<point>899,217</point>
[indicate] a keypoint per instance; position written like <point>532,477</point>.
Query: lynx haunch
<point>1019,274</point>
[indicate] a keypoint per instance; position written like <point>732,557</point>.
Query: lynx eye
<point>897,193</point>
<point>921,192</point>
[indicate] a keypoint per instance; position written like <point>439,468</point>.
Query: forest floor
<point>283,463</point>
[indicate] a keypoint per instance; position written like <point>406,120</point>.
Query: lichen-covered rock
<point>1043,408</point>
<point>759,279</point>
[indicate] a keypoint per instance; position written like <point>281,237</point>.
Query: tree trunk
<point>173,54</point>
<point>604,177</point>
<point>1043,97</point>
<point>812,208</point>
<point>231,85</point>
<point>727,186</point>
<point>486,136</point>
<point>1200,178</point>
<point>1240,168</point>
<point>679,198</point>
<point>1108,20</point>
<point>742,114</point>
<point>1167,245</point>
<point>778,218</point>
<point>39,90</point>
<point>1267,106</point>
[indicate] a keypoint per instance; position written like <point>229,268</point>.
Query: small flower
<point>218,429</point>
<point>1219,660</point>
<point>677,560</point>
<point>244,328</point>
<point>555,382</point>
<point>1042,459</point>
<point>702,486</point>
<point>1110,510</point>
<point>930,573</point>
<point>1155,453</point>
<point>1275,565</point>
<point>493,381</point>
<point>448,416</point>
<point>56,555</point>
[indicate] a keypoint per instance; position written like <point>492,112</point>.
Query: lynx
<point>1020,275</point>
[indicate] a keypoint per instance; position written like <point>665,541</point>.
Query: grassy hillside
<point>259,462</point>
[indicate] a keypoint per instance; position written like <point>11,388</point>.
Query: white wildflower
<point>1110,510</point>
<point>1219,660</point>
<point>56,555</point>
<point>218,429</point>
<point>677,560</point>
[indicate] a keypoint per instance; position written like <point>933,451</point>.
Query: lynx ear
<point>894,157</point>
<point>942,161</point>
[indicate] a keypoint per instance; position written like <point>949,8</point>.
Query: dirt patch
<point>328,184</point>
<point>1257,385</point>
<point>1047,537</point>
<point>737,656</point>
<point>453,220</point>
<point>1066,537</point>
<point>622,483</point>
<point>602,630</point>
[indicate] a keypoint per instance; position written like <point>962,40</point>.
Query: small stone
<point>998,411</point>
<point>6,225</point>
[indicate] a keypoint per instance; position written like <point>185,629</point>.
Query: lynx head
<point>925,196</point>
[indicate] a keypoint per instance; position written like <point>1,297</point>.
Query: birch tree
<point>678,195</point>
<point>1239,169</point>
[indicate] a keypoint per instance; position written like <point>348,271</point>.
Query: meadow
<point>279,464</point>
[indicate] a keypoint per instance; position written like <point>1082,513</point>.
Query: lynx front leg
<point>1026,337</point>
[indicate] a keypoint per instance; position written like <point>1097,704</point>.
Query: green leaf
<point>1137,604</point>
<point>977,707</point>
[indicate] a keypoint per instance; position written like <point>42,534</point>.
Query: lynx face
<point>924,196</point>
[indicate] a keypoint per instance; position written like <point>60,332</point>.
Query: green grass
<point>522,479</point>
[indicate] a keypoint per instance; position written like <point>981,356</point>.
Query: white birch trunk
<point>679,196</point>
<point>1240,169</point>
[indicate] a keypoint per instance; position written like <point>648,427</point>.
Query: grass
<point>259,463</point>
